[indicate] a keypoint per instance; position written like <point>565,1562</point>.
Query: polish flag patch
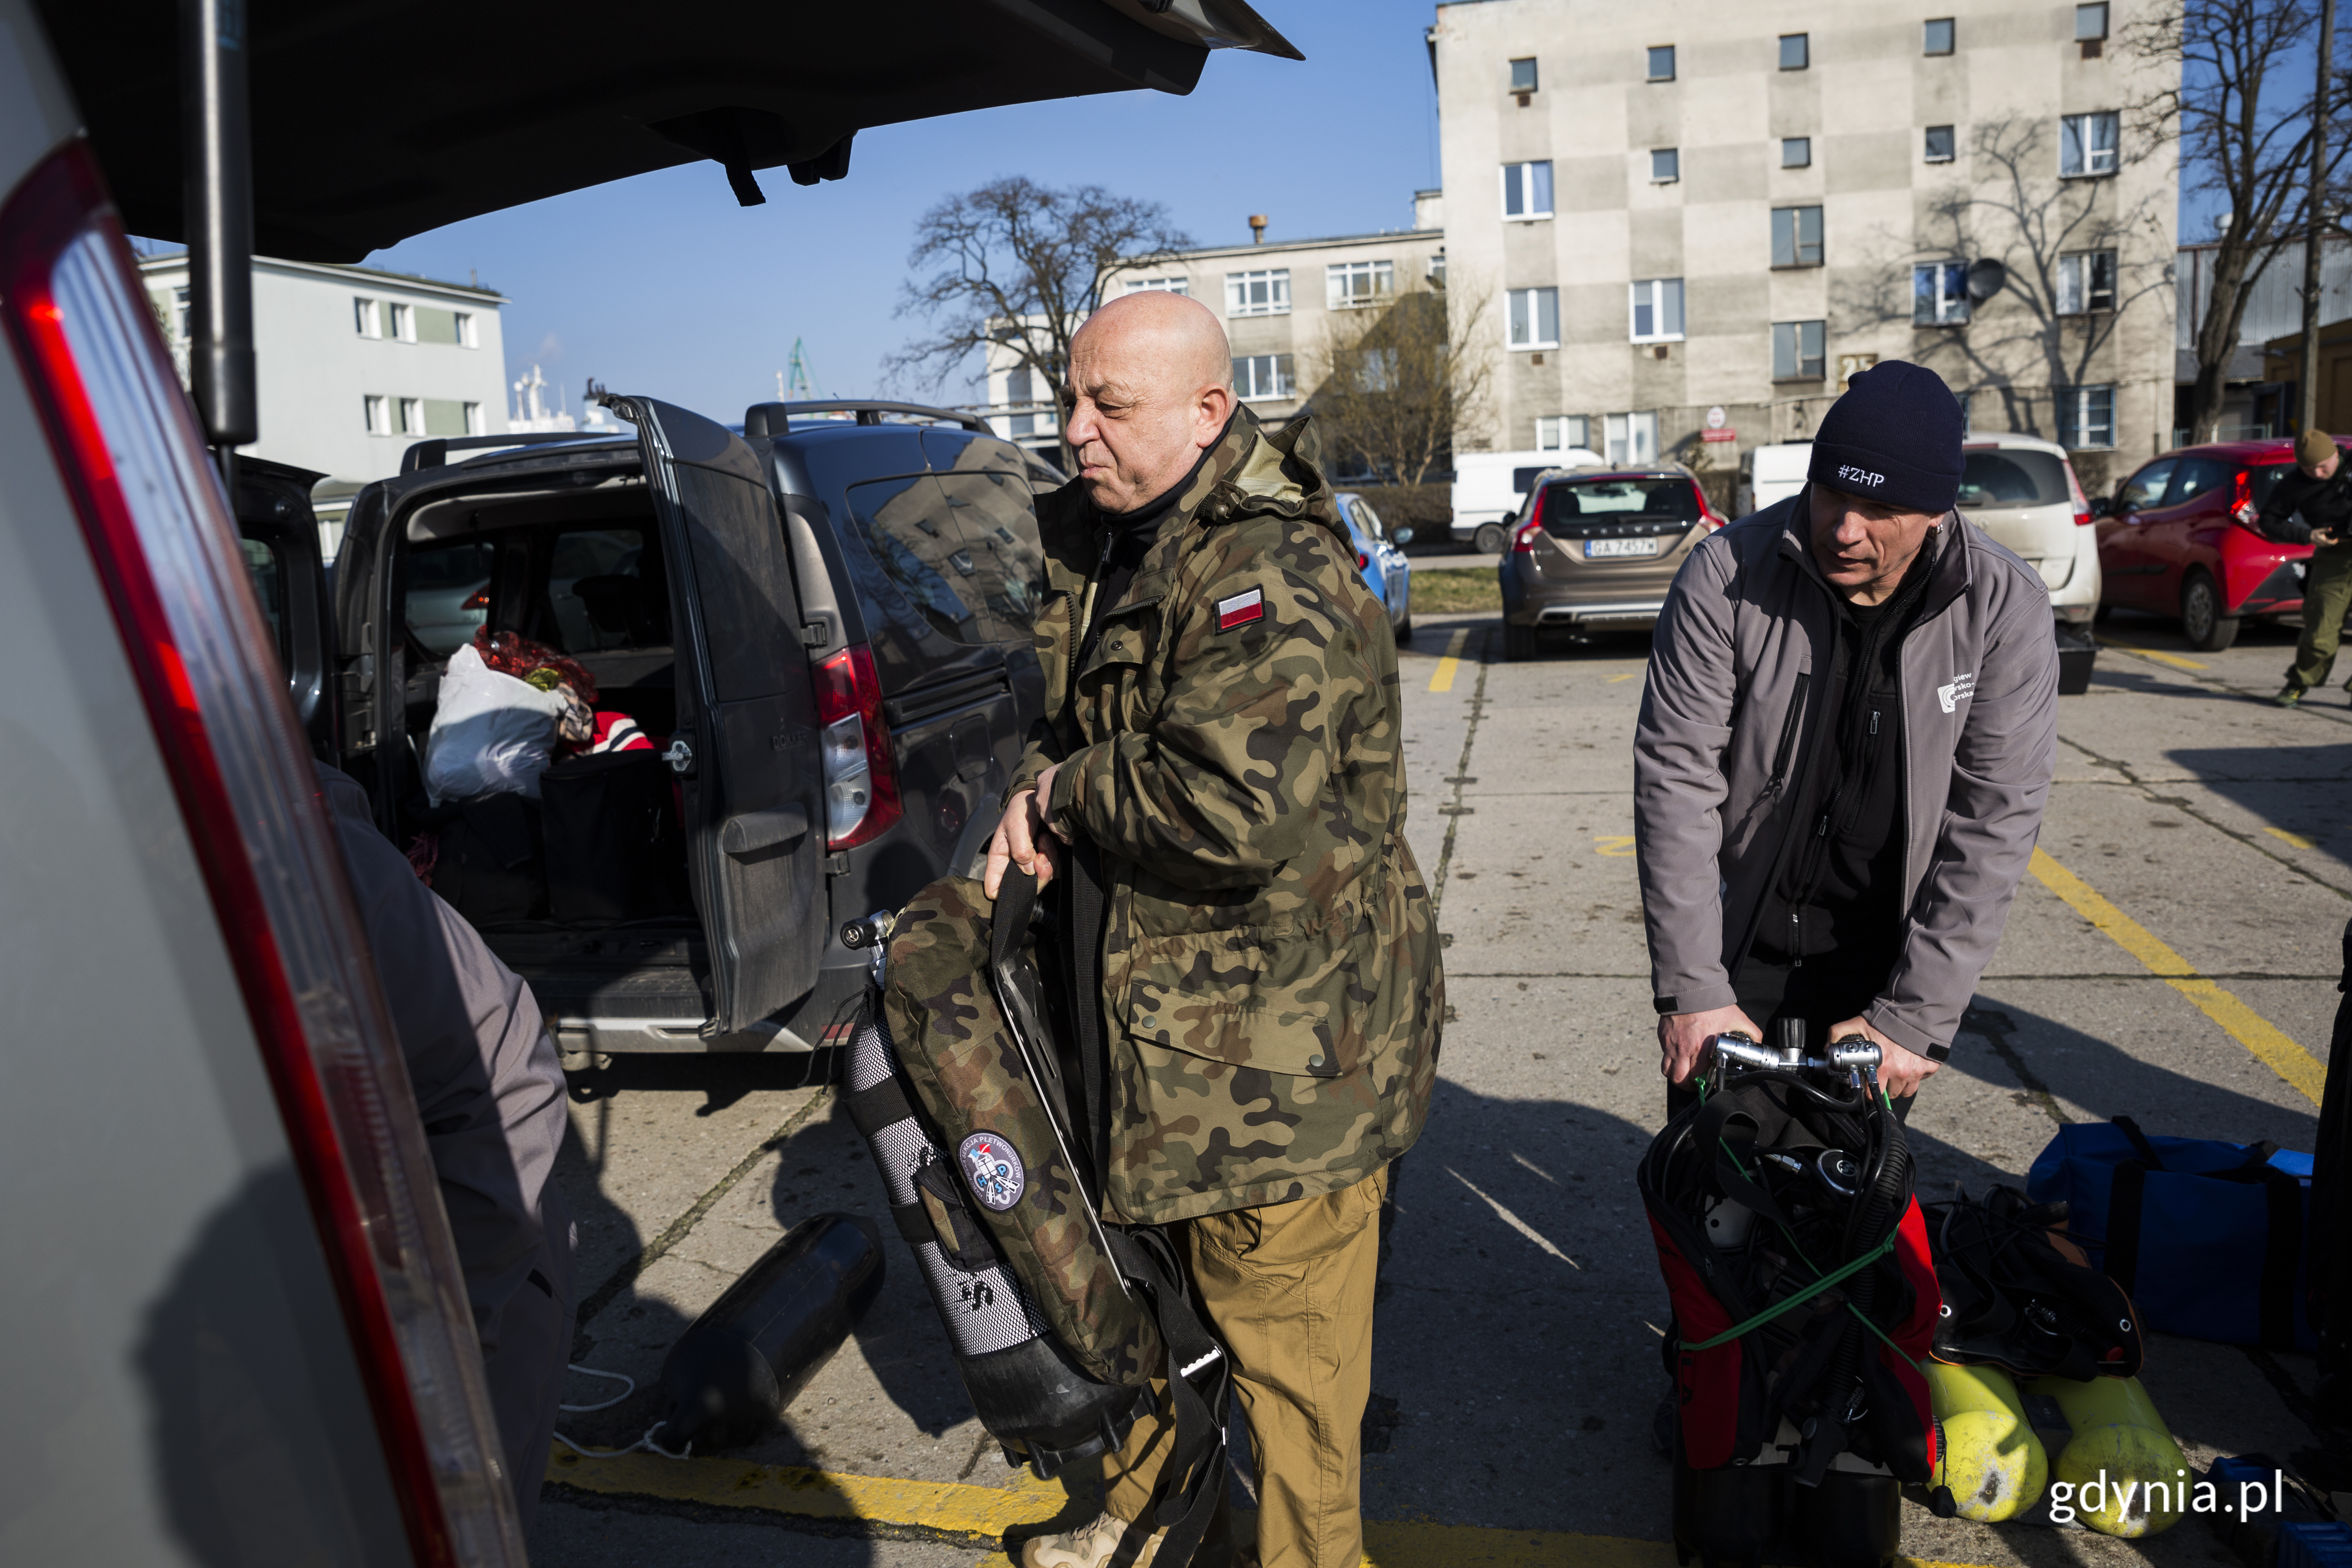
<point>1241,609</point>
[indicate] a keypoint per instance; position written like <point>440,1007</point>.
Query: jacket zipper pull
<point>1823,830</point>
<point>1874,720</point>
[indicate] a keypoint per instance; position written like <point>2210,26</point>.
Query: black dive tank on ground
<point>728,1379</point>
<point>1026,1390</point>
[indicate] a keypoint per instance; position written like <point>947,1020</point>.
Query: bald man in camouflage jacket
<point>1218,782</point>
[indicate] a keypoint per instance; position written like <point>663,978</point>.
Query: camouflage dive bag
<point>1061,1323</point>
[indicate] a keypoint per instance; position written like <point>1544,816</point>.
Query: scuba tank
<point>1988,1458</point>
<point>729,1376</point>
<point>1803,1301</point>
<point>2121,1452</point>
<point>1064,1326</point>
<point>1025,1389</point>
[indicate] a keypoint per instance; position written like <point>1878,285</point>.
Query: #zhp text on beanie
<point>1893,438</point>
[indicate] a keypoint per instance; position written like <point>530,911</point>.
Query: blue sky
<point>662,285</point>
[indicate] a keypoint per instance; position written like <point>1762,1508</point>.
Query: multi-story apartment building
<point>1282,302</point>
<point>355,363</point>
<point>1701,218</point>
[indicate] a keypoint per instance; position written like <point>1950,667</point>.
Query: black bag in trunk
<point>489,868</point>
<point>615,851</point>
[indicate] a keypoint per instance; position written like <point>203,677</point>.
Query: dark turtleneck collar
<point>1145,519</point>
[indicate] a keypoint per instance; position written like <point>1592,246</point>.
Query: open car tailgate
<point>376,120</point>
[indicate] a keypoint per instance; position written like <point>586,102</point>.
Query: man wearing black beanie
<point>1845,749</point>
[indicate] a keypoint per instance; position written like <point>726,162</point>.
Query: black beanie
<point>1894,437</point>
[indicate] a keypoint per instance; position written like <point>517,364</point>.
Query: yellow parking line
<point>980,1515</point>
<point>2159,655</point>
<point>2297,839</point>
<point>1627,676</point>
<point>2270,1043</point>
<point>1443,679</point>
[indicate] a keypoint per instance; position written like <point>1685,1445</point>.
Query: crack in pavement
<point>2181,804</point>
<point>1453,810</point>
<point>628,1273</point>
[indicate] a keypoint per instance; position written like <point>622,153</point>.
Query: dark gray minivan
<point>822,623</point>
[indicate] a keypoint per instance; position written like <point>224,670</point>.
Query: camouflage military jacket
<point>1234,746</point>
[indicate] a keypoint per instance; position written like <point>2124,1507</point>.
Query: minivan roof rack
<point>775,418</point>
<point>436,453</point>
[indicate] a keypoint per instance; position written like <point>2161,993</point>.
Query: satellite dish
<point>1985,279</point>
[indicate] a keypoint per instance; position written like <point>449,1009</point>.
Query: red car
<point>2168,544</point>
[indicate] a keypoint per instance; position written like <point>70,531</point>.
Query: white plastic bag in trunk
<point>491,733</point>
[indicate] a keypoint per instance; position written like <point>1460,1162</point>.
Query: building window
<point>1938,37</point>
<point>1796,236</point>
<point>1348,284</point>
<point>404,323</point>
<point>1157,286</point>
<point>412,415</point>
<point>1258,293</point>
<point>466,337</point>
<point>1527,190</point>
<point>1437,268</point>
<point>1535,317</point>
<point>2086,416</point>
<point>1657,311</point>
<point>1795,54</point>
<point>1939,144</point>
<point>1796,152</point>
<point>2090,23</point>
<point>2086,282</point>
<point>2086,144</point>
<point>366,320</point>
<point>1632,439</point>
<point>1939,294</point>
<point>378,417</point>
<point>1662,62</point>
<point>1561,431</point>
<point>181,308</point>
<point>1797,350</point>
<point>474,426</point>
<point>1523,76</point>
<point>1264,376</point>
<point>1665,165</point>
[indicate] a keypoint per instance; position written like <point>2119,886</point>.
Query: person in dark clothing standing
<point>1845,748</point>
<point>2313,506</point>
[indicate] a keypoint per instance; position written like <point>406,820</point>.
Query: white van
<point>1489,486</point>
<point>1770,474</point>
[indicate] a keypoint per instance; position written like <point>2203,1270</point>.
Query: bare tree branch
<point>1396,385</point>
<point>1020,266</point>
<point>2244,133</point>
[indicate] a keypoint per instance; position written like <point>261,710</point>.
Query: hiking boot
<point>1089,1546</point>
<point>2288,696</point>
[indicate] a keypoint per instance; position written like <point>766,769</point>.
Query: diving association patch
<point>993,1169</point>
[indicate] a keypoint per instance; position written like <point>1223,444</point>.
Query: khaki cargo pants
<point>2327,595</point>
<point>1288,1288</point>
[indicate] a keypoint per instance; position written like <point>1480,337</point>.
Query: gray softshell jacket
<point>489,1090</point>
<point>1732,714</point>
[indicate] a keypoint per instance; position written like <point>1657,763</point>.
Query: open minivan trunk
<point>651,897</point>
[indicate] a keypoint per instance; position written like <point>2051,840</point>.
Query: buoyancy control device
<point>1804,1301</point>
<point>1065,1329</point>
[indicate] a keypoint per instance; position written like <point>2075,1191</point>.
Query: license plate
<point>1601,548</point>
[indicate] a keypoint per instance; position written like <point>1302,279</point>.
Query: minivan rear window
<point>2012,476</point>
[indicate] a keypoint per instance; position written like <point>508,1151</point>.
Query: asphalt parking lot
<point>2174,957</point>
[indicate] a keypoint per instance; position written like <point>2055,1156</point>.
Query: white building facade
<point>1699,219</point>
<point>1280,301</point>
<point>353,364</point>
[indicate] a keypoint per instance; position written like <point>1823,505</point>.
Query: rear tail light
<point>1524,541</point>
<point>2241,496</point>
<point>1363,562</point>
<point>2080,502</point>
<point>861,782</point>
<point>167,556</point>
